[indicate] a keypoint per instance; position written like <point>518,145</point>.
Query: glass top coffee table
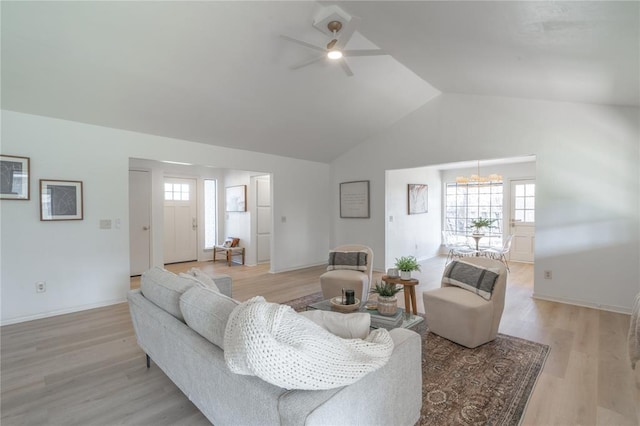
<point>400,319</point>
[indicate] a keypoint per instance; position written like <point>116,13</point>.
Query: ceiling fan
<point>335,49</point>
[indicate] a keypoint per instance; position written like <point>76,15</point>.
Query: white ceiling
<point>218,72</point>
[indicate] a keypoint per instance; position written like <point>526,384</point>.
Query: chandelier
<point>479,179</point>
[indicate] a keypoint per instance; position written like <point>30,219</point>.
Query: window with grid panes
<point>467,201</point>
<point>176,192</point>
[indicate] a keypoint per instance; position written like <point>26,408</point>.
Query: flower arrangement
<point>407,263</point>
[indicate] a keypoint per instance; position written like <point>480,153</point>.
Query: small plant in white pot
<point>407,264</point>
<point>387,300</point>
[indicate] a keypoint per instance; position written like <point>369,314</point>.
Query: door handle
<point>145,228</point>
<point>194,224</point>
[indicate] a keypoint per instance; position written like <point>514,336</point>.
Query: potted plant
<point>480,223</point>
<point>406,264</point>
<point>387,301</point>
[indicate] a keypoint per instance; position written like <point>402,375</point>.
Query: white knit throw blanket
<point>634,333</point>
<point>273,342</point>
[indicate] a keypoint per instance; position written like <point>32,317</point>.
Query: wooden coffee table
<point>409,293</point>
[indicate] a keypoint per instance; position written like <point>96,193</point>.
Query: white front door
<point>523,220</point>
<point>263,218</point>
<point>180,220</point>
<point>139,221</point>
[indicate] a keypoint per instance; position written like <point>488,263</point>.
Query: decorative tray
<point>336,305</point>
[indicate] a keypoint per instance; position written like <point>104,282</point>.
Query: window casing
<point>210,213</point>
<point>467,201</point>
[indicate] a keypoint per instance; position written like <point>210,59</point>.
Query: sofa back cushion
<point>164,288</point>
<point>206,312</point>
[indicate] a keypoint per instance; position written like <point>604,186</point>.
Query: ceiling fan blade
<point>364,52</point>
<point>346,68</point>
<point>345,34</point>
<point>303,43</point>
<point>307,62</point>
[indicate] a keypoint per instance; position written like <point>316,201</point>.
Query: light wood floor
<point>86,369</point>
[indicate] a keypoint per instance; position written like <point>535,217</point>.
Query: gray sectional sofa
<point>194,361</point>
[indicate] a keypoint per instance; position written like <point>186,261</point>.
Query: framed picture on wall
<point>354,199</point>
<point>14,178</point>
<point>236,198</point>
<point>60,200</point>
<point>417,198</point>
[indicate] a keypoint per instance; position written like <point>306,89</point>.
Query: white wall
<point>418,234</point>
<point>587,229</point>
<point>85,266</point>
<point>238,224</point>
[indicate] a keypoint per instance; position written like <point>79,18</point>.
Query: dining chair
<point>500,253</point>
<point>456,248</point>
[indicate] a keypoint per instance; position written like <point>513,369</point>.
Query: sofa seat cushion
<point>164,288</point>
<point>348,326</point>
<point>207,311</point>
<point>275,343</point>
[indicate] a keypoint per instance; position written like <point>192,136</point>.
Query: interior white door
<point>139,221</point>
<point>523,220</point>
<point>180,220</point>
<point>263,225</point>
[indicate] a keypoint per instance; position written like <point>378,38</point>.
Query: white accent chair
<point>500,253</point>
<point>332,282</point>
<point>461,315</point>
<point>455,248</point>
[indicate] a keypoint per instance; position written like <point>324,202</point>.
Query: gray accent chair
<point>462,316</point>
<point>332,282</point>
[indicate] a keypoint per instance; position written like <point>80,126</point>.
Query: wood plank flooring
<point>85,368</point>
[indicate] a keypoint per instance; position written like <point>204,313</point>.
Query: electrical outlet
<point>41,287</point>
<point>547,275</point>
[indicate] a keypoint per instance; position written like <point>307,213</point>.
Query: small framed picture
<point>354,199</point>
<point>418,198</point>
<point>14,178</point>
<point>236,198</point>
<point>60,200</point>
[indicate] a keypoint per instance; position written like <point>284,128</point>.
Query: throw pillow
<point>203,279</point>
<point>206,311</point>
<point>164,288</point>
<point>353,260</point>
<point>348,326</point>
<point>475,278</point>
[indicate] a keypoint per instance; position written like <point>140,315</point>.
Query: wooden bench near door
<point>230,248</point>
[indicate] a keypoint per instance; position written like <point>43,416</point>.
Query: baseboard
<point>600,306</point>
<point>61,312</point>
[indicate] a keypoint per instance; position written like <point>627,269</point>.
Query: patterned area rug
<point>490,384</point>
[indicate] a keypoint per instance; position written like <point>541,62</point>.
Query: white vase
<point>405,275</point>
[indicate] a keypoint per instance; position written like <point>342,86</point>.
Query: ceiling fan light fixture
<point>334,54</point>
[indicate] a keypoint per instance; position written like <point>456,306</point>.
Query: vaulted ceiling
<point>219,72</point>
